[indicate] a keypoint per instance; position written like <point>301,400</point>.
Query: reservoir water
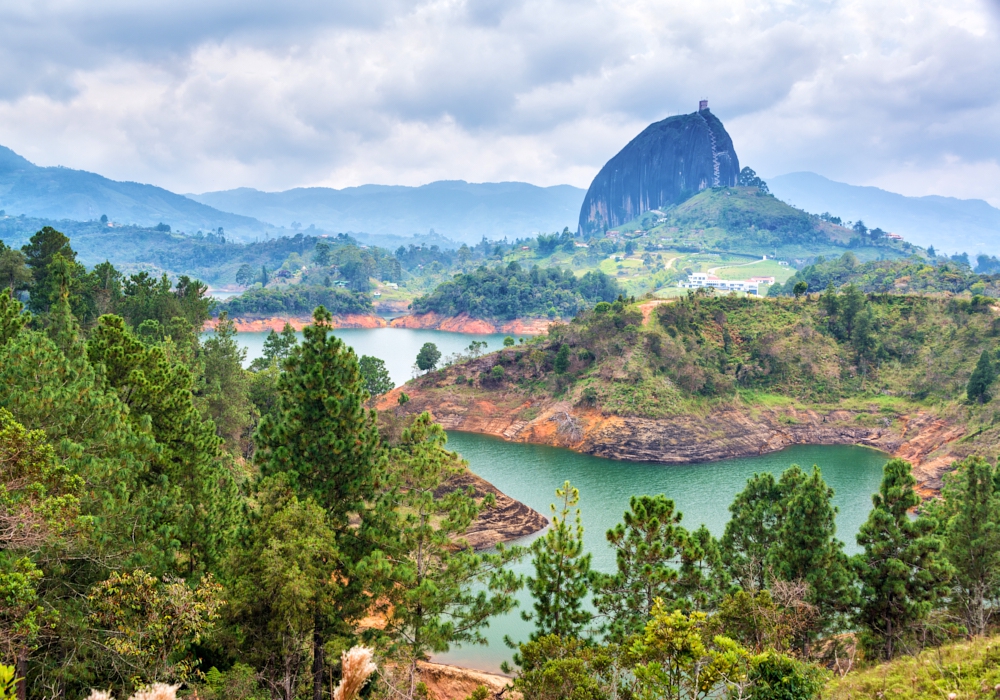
<point>531,473</point>
<point>397,347</point>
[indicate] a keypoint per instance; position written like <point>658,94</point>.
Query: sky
<point>201,95</point>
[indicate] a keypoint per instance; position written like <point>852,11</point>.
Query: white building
<point>697,280</point>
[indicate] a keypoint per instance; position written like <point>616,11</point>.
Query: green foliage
<point>805,547</point>
<point>7,682</point>
<point>506,293</point>
<point>15,274</point>
<point>778,677</point>
<point>296,300</point>
<point>320,434</point>
<point>225,386</point>
<point>508,342</point>
<point>647,547</point>
<point>428,357</point>
<point>913,275</point>
<point>150,625</point>
<point>982,377</point>
<point>563,575</point>
<point>277,347</point>
<point>902,571</point>
<point>561,363</point>
<point>375,376</point>
<point>967,670</point>
<point>752,531</point>
<point>677,661</point>
<point>12,318</point>
<point>196,489</point>
<point>557,668</point>
<point>969,520</point>
<point>283,574</point>
<point>39,253</point>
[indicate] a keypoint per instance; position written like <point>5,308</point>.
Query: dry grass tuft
<point>357,667</point>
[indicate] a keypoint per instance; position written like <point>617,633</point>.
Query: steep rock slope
<point>667,163</point>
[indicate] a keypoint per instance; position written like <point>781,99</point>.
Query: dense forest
<point>509,292</point>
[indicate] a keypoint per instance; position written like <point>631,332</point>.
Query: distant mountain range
<point>454,209</point>
<point>949,224</point>
<point>458,210</point>
<point>64,193</point>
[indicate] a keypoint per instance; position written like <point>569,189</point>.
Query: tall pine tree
<point>972,540</point>
<point>806,548</point>
<point>563,575</point>
<point>647,545</point>
<point>321,437</point>
<point>902,570</point>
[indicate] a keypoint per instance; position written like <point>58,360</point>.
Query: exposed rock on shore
<point>247,324</point>
<point>454,683</point>
<point>927,441</point>
<point>507,520</point>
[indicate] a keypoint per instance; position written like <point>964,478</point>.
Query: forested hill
<point>913,275</point>
<point>510,292</point>
<point>822,348</point>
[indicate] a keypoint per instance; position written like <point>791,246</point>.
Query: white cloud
<point>212,95</point>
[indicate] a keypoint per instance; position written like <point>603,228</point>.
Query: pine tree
<point>375,376</point>
<point>13,318</point>
<point>806,548</point>
<point>327,445</point>
<point>703,577</point>
<point>902,570</point>
<point>39,253</point>
<point>431,584</point>
<point>283,573</point>
<point>972,540</point>
<point>196,490</point>
<point>647,545</point>
<point>751,531</point>
<point>563,575</point>
<point>983,376</point>
<point>225,386</point>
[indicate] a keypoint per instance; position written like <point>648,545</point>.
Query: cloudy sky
<point>198,95</point>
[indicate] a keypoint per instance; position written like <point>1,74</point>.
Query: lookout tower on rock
<point>702,105</point>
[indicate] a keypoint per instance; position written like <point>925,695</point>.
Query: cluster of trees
<point>508,292</point>
<point>297,299</point>
<point>906,275</point>
<point>686,615</point>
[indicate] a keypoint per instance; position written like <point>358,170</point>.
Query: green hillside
<point>746,220</point>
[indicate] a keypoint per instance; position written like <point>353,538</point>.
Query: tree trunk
<point>317,662</point>
<point>21,674</point>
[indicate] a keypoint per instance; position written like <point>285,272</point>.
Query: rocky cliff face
<point>667,163</point>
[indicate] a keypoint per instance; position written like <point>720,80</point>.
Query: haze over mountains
<point>64,193</point>
<point>458,210</point>
<point>949,224</point>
